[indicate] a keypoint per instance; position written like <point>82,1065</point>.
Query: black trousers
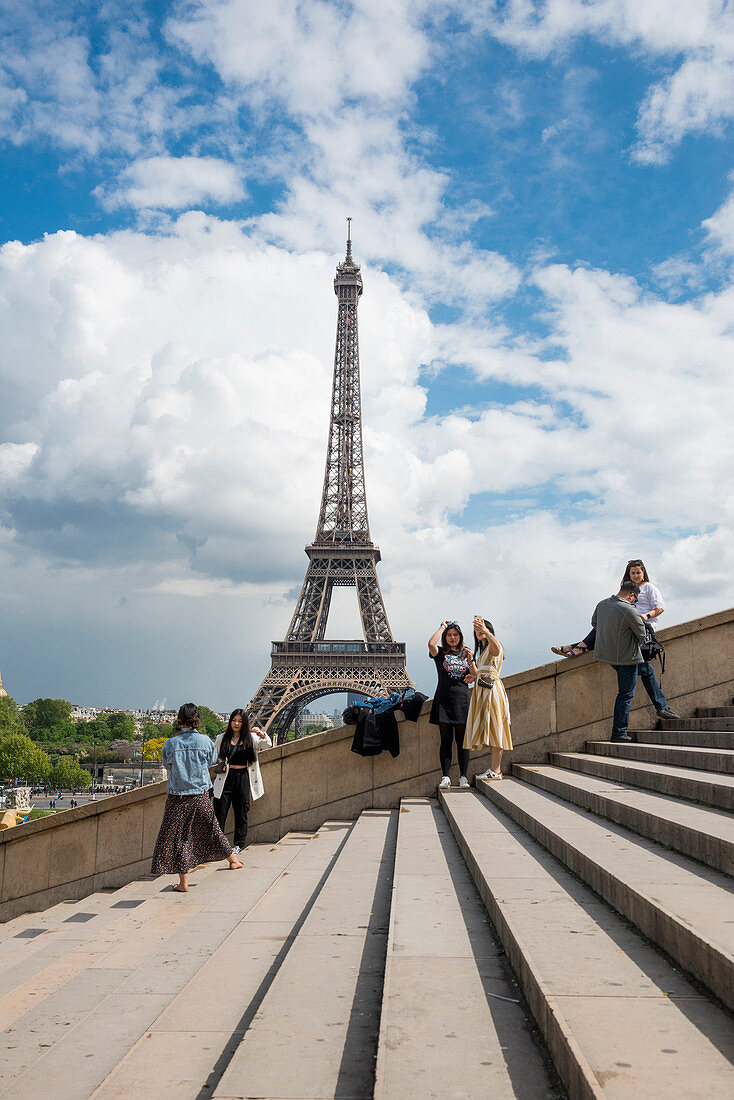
<point>236,794</point>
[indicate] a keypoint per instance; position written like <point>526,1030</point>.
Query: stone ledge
<point>551,713</point>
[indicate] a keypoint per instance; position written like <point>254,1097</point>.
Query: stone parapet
<point>555,708</point>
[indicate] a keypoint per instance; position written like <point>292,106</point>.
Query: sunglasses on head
<point>452,622</point>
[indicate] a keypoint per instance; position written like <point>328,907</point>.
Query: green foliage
<point>9,720</point>
<point>122,726</point>
<point>102,755</point>
<point>44,714</point>
<point>62,732</point>
<point>210,724</point>
<point>28,716</point>
<point>20,758</point>
<point>67,773</point>
<point>150,730</point>
<point>97,730</point>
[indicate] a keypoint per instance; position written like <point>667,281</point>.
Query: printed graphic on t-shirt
<point>456,665</point>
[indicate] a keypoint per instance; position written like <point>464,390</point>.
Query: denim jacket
<point>187,756</point>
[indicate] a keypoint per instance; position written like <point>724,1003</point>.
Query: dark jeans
<point>448,735</point>
<point>626,684</point>
<point>651,685</point>
<point>236,794</point>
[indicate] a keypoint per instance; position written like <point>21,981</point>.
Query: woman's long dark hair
<point>457,628</point>
<point>479,646</point>
<point>225,745</point>
<point>188,717</point>
<point>635,561</point>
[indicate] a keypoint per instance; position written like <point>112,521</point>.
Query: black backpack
<point>652,648</point>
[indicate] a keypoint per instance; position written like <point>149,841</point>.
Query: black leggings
<point>449,733</point>
<point>237,794</point>
<point>590,640</point>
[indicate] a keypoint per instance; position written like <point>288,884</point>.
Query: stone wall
<point>555,707</point>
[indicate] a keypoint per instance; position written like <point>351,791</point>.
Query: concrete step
<point>449,998</point>
<point>697,724</point>
<point>700,739</point>
<point>708,787</point>
<point>681,906</point>
<point>43,938</point>
<point>618,1019</point>
<point>315,1032</point>
<point>715,712</point>
<point>681,756</point>
<point>79,1020</point>
<point>705,834</point>
<point>144,887</point>
<point>187,1048</point>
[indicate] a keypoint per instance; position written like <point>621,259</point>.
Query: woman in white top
<point>650,607</point>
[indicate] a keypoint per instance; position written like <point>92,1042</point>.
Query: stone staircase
<point>607,875</point>
<point>568,931</point>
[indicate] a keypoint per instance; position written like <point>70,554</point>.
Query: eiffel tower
<point>305,666</point>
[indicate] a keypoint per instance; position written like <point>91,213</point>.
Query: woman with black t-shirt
<point>456,670</point>
<point>238,747</point>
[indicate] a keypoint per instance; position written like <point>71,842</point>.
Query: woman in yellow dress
<point>488,721</point>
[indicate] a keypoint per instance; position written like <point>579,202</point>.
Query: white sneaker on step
<point>463,782</point>
<point>445,783</point>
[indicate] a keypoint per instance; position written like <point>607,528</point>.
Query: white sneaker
<point>463,782</point>
<point>445,783</point>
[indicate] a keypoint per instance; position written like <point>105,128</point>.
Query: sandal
<point>569,650</point>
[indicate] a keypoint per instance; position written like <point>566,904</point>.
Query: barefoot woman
<point>189,833</point>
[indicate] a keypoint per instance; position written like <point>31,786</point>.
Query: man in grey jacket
<point>619,633</point>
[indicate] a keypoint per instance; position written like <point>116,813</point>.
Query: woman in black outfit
<point>235,747</point>
<point>456,670</point>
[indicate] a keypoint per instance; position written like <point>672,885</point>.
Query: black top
<point>451,701</point>
<point>239,755</point>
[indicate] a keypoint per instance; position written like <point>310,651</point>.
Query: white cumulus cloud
<point>176,183</point>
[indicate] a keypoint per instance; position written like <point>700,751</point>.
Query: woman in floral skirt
<point>189,833</point>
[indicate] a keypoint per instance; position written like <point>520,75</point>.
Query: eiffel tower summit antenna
<point>305,666</point>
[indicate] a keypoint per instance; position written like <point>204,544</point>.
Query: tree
<point>84,779</point>
<point>28,716</point>
<point>61,732</point>
<point>96,731</point>
<point>67,773</point>
<point>210,724</point>
<point>122,725</point>
<point>153,748</point>
<point>123,750</point>
<point>45,713</point>
<point>21,758</point>
<point>9,720</point>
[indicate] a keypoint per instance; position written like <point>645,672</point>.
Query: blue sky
<point>543,208</point>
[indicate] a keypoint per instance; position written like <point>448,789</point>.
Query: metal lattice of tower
<point>305,666</point>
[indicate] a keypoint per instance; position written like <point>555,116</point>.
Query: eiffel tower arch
<point>307,665</point>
